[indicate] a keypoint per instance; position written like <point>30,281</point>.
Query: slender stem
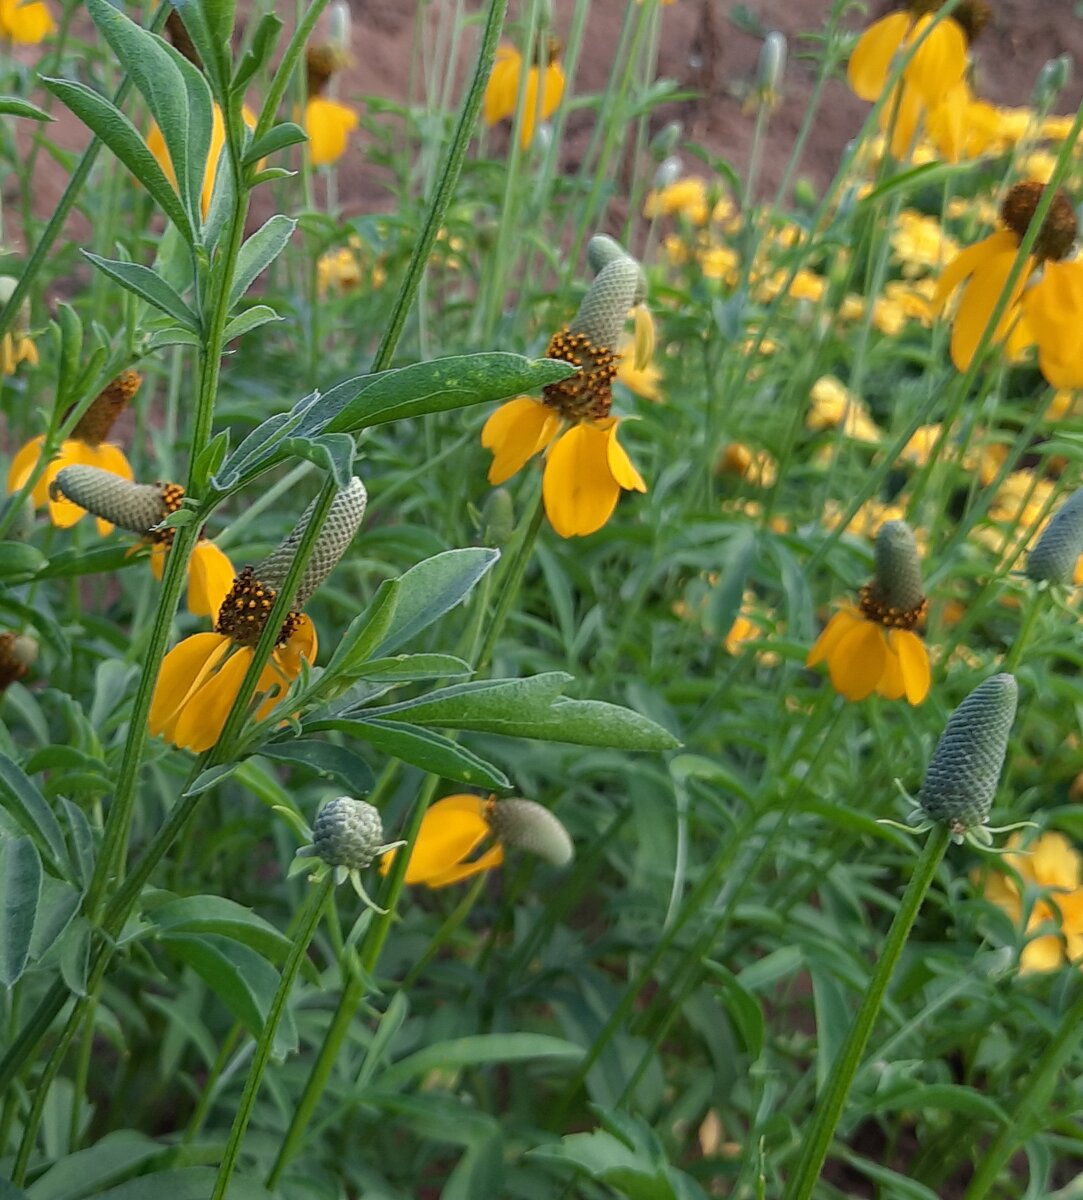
<point>1034,604</point>
<point>817,1140</point>
<point>309,919</point>
<point>211,1084</point>
<point>510,584</point>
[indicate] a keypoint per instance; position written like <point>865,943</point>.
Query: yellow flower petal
<point>964,264</point>
<point>22,465</point>
<point>578,487</point>
<point>516,432</point>
<point>940,61</point>
<point>328,125</point>
<point>914,660</point>
<point>450,831</point>
<point>184,668</point>
<point>29,23</point>
<point>871,58</point>
<point>839,625</point>
<point>203,716</point>
<point>210,576</point>
<point>857,661</point>
<point>503,85</point>
<point>980,297</point>
<point>492,857</point>
<point>1045,953</point>
<point>892,685</point>
<point>620,465</point>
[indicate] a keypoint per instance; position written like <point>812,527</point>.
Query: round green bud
<point>348,833</point>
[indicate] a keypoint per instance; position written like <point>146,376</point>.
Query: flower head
<point>86,446</point>
<point>347,837</point>
<point>26,21</point>
<point>141,508</point>
<point>327,122</point>
<point>201,676</point>
<point>16,345</point>
<point>502,90</point>
<point>873,648</point>
<point>454,828</point>
<point>586,467</point>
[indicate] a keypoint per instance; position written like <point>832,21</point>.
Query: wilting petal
<point>158,552</point>
<point>553,91</point>
<point>183,669</point>
<point>328,125</point>
<point>857,660</point>
<point>839,625</point>
<point>210,576</point>
<point>203,717</point>
<point>620,465</point>
<point>578,487</point>
<point>516,432</point>
<point>914,659</point>
<point>871,57</point>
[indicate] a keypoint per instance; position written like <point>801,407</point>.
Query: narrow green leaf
<point>477,1051</point>
<point>148,285</point>
<point>278,137</point>
<point>27,805</point>
<point>258,252</point>
<point>20,561</point>
<point>84,1173</point>
<point>331,452</point>
<point>364,633</point>
<point>20,890</point>
<point>122,137</point>
<point>404,668</point>
<point>218,915</point>
<point>13,106</point>
<point>183,1183</point>
<point>259,52</point>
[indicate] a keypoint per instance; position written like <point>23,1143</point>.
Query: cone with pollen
<point>962,775</point>
<point>874,647</point>
<point>1055,557</point>
<point>201,677</point>
<point>87,446</point>
<point>141,508</point>
<point>586,468</point>
<point>1045,304</point>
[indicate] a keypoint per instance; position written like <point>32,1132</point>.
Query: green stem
<point>210,1085</point>
<point>308,921</point>
<point>818,1139</point>
<point>1027,1111</point>
<point>1034,604</point>
<point>510,584</point>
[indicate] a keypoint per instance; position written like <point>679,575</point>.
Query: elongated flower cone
<point>532,827</point>
<point>1054,558</point>
<point>605,307</point>
<point>343,520</point>
<point>962,775</point>
<point>348,833</point>
<point>898,582</point>
<point>137,507</point>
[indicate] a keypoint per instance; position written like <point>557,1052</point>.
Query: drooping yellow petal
<point>578,486</point>
<point>1044,953</point>
<point>980,297</point>
<point>871,58</point>
<point>22,465</point>
<point>328,125</point>
<point>964,264</point>
<point>492,857</point>
<point>552,91</point>
<point>857,660</point>
<point>285,666</point>
<point>892,684</point>
<point>839,625</point>
<point>183,669</point>
<point>515,432</point>
<point>908,116</point>
<point>644,339</point>
<point>28,23</point>
<point>939,63</point>
<point>914,660</point>
<point>158,552</point>
<point>210,576</point>
<point>620,465</point>
<point>503,85</point>
<point>450,830</point>
<point>1054,313</point>
<point>201,720</point>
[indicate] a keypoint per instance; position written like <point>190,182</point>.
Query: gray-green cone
<point>1054,558</point>
<point>898,568</point>
<point>348,833</point>
<point>602,250</point>
<point>137,507</point>
<point>343,520</point>
<point>962,775</point>
<point>617,287</point>
<point>532,827</point>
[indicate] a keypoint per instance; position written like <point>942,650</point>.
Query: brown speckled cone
<point>343,520</point>
<point>137,507</point>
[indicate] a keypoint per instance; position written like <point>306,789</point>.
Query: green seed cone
<point>602,250</point>
<point>529,826</point>
<point>898,567</point>
<point>962,775</point>
<point>605,307</point>
<point>348,833</point>
<point>343,520</point>
<point>1054,558</point>
<point>137,507</point>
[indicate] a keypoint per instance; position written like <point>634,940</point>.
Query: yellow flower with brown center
<point>86,446</point>
<point>141,508</point>
<point>935,68</point>
<point>327,122</point>
<point>502,90</point>
<point>201,676</point>
<point>1052,866</point>
<point>873,648</point>
<point>25,21</point>
<point>456,827</point>
<point>586,468</point>
<point>1048,312</point>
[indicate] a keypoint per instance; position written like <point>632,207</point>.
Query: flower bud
<point>498,518</point>
<point>772,63</point>
<point>339,24</point>
<point>343,520</point>
<point>348,833</point>
<point>898,568</point>
<point>530,826</point>
<point>137,507</point>
<point>662,146</point>
<point>1052,80</point>
<point>962,775</point>
<point>1054,557</point>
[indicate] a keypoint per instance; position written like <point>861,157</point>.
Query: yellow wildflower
<point>502,90</point>
<point>25,21</point>
<point>834,405</point>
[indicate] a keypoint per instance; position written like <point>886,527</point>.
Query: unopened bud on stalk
<point>339,24</point>
<point>137,507</point>
<point>665,142</point>
<point>348,833</point>
<point>530,826</point>
<point>1054,557</point>
<point>772,64</point>
<point>962,775</point>
<point>343,520</point>
<point>1052,79</point>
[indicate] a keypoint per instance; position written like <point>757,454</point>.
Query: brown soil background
<point>704,48</point>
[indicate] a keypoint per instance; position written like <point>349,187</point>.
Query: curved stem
<point>309,919</point>
<point>830,1105</point>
